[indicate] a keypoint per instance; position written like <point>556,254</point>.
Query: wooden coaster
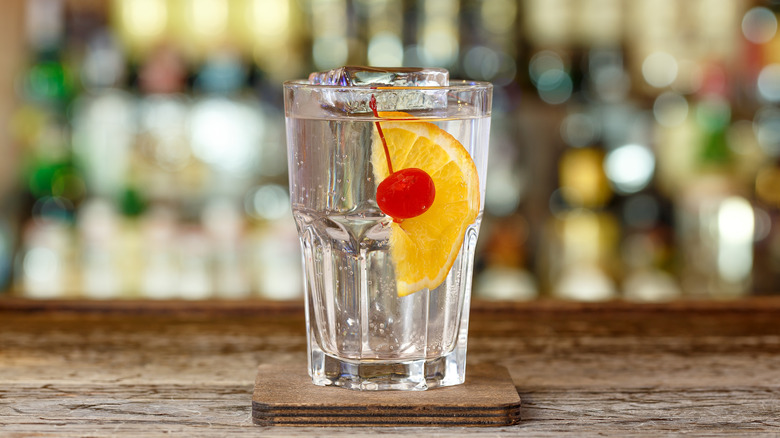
<point>285,396</point>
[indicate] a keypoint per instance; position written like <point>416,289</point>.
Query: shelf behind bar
<point>12,304</point>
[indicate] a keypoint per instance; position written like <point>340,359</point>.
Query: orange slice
<point>423,248</point>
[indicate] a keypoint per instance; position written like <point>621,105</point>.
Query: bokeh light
<point>225,136</point>
<point>670,109</point>
<point>659,69</point>
<point>608,76</point>
<point>504,190</point>
<point>579,130</point>
<point>439,45</point>
<point>555,86</point>
<point>437,35</point>
<point>207,18</point>
<point>499,15</point>
<point>330,52</point>
<point>552,82</point>
<point>41,263</point>
<point>735,239</point>
<point>713,113</point>
<point>222,219</point>
<point>144,20</point>
<point>611,83</point>
<point>506,72</point>
<point>630,167</point>
<point>768,185</point>
<point>585,283</point>
<point>53,208</point>
<point>481,63</point>
<point>766,125</point>
<point>763,226</point>
<point>104,64</point>
<point>543,62</point>
<point>582,178</point>
<point>651,286</point>
<point>329,25</point>
<point>759,25</point>
<point>385,49</point>
<point>269,18</point>
<point>769,83</point>
<point>690,76</point>
<point>269,202</point>
<point>641,121</point>
<point>163,126</point>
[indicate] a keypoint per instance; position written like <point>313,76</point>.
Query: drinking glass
<point>361,333</point>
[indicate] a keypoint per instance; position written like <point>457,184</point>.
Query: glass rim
<point>456,84</point>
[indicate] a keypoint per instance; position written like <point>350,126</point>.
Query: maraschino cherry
<point>406,193</point>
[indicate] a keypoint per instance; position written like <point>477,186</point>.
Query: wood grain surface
<point>187,369</point>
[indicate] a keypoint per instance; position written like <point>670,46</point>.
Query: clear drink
<point>362,334</point>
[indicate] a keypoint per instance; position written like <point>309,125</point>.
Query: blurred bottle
<point>226,128</point>
<point>52,185</point>
<point>584,231</point>
<point>226,228</point>
<point>767,250</point>
<point>504,275</point>
<point>160,277</point>
<point>104,123</point>
<point>226,132</point>
<point>163,168</point>
<point>761,137</point>
<point>715,220</point>
<point>276,260</point>
<point>647,248</point>
<point>582,235</point>
<point>98,224</point>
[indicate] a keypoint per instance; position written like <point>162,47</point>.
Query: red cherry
<point>406,193</point>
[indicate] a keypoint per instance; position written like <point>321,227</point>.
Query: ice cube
<point>378,76</point>
<point>367,78</point>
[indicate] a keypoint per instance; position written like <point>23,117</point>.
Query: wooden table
<point>187,369</point>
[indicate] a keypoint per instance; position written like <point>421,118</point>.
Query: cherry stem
<point>372,105</point>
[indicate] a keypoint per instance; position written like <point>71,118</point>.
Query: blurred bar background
<point>635,143</point>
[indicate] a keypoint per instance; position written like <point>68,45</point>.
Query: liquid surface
<point>354,311</point>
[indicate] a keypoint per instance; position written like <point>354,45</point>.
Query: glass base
<point>418,375</point>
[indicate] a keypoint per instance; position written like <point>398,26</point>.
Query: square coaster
<point>285,396</point>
